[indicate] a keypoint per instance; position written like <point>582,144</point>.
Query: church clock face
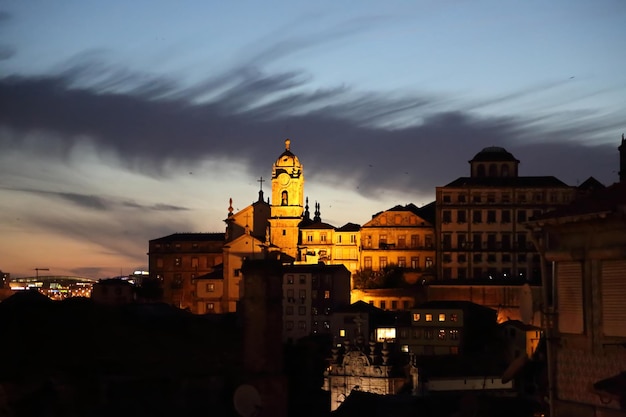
<point>283,179</point>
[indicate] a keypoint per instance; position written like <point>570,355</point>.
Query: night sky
<point>122,122</point>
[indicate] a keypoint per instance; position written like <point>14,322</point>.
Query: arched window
<point>283,199</point>
<point>493,170</point>
<point>480,170</point>
<point>505,170</point>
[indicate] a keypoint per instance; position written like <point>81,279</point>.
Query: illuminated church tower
<point>287,203</point>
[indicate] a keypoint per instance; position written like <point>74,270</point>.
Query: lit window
<point>177,261</point>
<point>342,332</point>
<point>210,287</point>
<point>210,306</point>
<point>454,334</point>
<point>416,316</point>
<point>442,335</point>
<point>385,334</point>
<point>327,294</point>
<point>442,317</point>
<point>429,317</point>
<point>404,348</point>
<point>289,279</point>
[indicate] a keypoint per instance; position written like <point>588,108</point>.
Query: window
<point>342,332</point>
<point>446,216</point>
<point>506,216</point>
<point>415,262</point>
<point>385,334</point>
<point>416,333</point>
<point>382,240</point>
<point>476,198</point>
<point>394,304</point>
<point>339,239</point>
<point>521,240</point>
<point>309,237</point>
<point>289,279</point>
<point>290,295</point>
<point>428,241</point>
<point>447,198</point>
<point>506,197</point>
<point>429,317</point>
<point>415,241</point>
<point>491,258</point>
<point>302,279</point>
<point>210,287</point>
<point>194,245</point>
<point>491,216</point>
<point>491,198</point>
<point>383,305</point>
<point>159,262</point>
<point>477,241</point>
<point>477,216</point>
<point>429,262</point>
<point>405,304</point>
<point>302,293</point>
<point>461,216</point>
<point>446,243</point>
<point>447,258</point>
<point>327,294</point>
<point>521,216</point>
<point>402,261</point>
<point>367,262</point>
<point>416,316</point>
<point>454,335</point>
<point>178,261</point>
<point>302,325</point>
<point>368,241</point>
<point>302,310</point>
<point>442,317</point>
<point>237,272</point>
<point>284,199</point>
<point>461,241</point>
<point>383,262</point>
<point>352,238</point>
<point>461,198</point>
<point>461,273</point>
<point>491,241</point>
<point>428,333</point>
<point>289,310</point>
<point>521,198</point>
<point>284,232</point>
<point>210,306</point>
<point>402,241</point>
<point>477,257</point>
<point>441,335</point>
<point>323,237</point>
<point>454,317</point>
<point>461,258</point>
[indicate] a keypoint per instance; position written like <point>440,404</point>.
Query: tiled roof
<point>349,227</point>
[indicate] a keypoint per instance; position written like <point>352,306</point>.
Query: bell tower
<point>287,203</point>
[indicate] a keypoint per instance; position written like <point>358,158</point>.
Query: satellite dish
<point>247,401</point>
<point>513,369</point>
<point>526,305</point>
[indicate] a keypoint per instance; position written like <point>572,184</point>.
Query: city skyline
<point>121,123</point>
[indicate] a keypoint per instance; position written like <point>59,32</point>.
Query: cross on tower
<point>261,181</point>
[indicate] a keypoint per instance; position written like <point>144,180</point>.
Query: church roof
<point>493,153</point>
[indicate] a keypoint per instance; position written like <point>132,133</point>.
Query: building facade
<point>480,219</point>
<point>177,260</point>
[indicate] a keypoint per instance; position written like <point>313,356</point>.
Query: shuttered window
<point>613,286</point>
<point>569,280</point>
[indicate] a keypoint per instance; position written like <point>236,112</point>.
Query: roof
<point>493,153</point>
<point>316,225</point>
<point>518,182</point>
<point>458,304</point>
<point>611,199</point>
<point>189,237</point>
<point>359,307</point>
<point>349,227</point>
<point>315,268</point>
<point>520,325</point>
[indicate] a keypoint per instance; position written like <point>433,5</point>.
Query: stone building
<point>178,259</point>
<point>403,236</point>
<point>585,325</point>
<point>480,219</point>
